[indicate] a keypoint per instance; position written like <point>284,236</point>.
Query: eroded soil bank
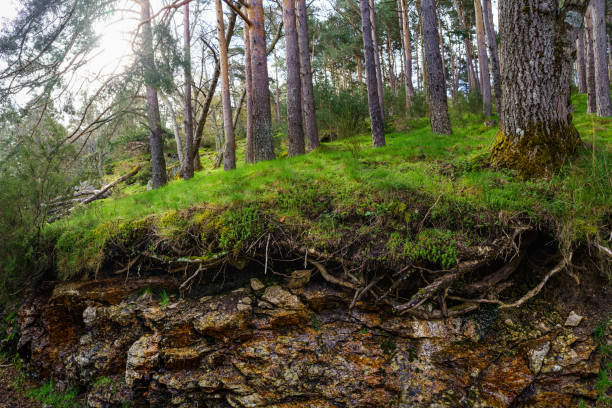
<point>296,343</point>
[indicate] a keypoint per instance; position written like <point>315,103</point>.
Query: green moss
<point>239,225</point>
<point>538,152</point>
<point>434,246</point>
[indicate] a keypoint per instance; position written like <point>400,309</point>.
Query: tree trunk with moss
<point>436,85</point>
<point>536,133</point>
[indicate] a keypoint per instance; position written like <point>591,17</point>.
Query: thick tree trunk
<point>590,65</point>
<point>229,147</point>
<point>379,78</point>
<point>156,142</point>
<point>469,49</point>
<point>294,84</point>
<point>536,133</point>
<point>442,47</point>
<point>436,86</point>
<point>187,165</point>
<point>407,53</point>
<point>580,61</point>
<point>376,117</point>
<point>600,45</point>
<point>483,60</point>
<point>248,86</point>
<point>308,106</point>
<point>263,142</point>
<point>493,55</point>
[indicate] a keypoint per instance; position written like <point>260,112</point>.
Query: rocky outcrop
<point>272,346</point>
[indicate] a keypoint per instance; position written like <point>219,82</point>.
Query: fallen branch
<point>111,185</point>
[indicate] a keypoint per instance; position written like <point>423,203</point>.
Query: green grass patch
<point>388,190</point>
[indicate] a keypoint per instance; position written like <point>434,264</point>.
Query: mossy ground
<point>385,204</point>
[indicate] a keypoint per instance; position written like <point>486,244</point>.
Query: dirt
<point>10,397</point>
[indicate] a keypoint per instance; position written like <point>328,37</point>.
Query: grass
<point>447,173</point>
<point>47,394</point>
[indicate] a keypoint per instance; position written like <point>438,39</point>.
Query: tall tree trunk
<point>390,62</point>
<point>308,106</point>
<point>493,55</point>
<point>263,142</point>
<point>407,53</point>
<point>436,86</point>
<point>600,45</point>
<point>590,65</point>
<point>359,71</point>
<point>248,86</point>
<point>483,60</point>
<point>376,117</point>
<point>229,147</point>
<point>187,167</point>
<point>469,49</point>
<point>175,127</point>
<point>536,133</point>
<point>580,61</point>
<point>156,142</point>
<point>379,78</point>
<point>294,85</point>
<point>441,35</point>
<point>209,97</point>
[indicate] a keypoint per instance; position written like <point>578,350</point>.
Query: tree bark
<point>308,106</point>
<point>294,85</point>
<point>229,146</point>
<point>483,60</point>
<point>600,45</point>
<point>263,142</point>
<point>156,142</point>
<point>277,106</point>
<point>376,117</point>
<point>436,86</point>
<point>407,53</point>
<point>590,65</point>
<point>187,165</point>
<point>536,133</point>
<point>248,86</point>
<point>493,54</point>
<point>379,80</point>
<point>580,61</point>
<point>390,62</point>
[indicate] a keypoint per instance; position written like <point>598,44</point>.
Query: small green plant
<point>238,226</point>
<point>164,298</point>
<point>47,394</point>
<point>101,382</point>
<point>314,322</point>
<point>434,246</point>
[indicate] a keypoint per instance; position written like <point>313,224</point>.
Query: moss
<point>434,246</point>
<point>239,225</point>
<point>537,153</point>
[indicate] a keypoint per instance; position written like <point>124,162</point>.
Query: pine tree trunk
<point>175,127</point>
<point>379,78</point>
<point>536,133</point>
<point>469,49</point>
<point>308,106</point>
<point>493,54</point>
<point>600,45</point>
<point>294,84</point>
<point>483,60</point>
<point>156,142</point>
<point>248,85</point>
<point>187,167</point>
<point>376,118</point>
<point>436,86</point>
<point>407,53</point>
<point>580,61</point>
<point>390,61</point>
<point>442,48</point>
<point>229,147</point>
<point>590,65</point>
<point>263,142</point>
